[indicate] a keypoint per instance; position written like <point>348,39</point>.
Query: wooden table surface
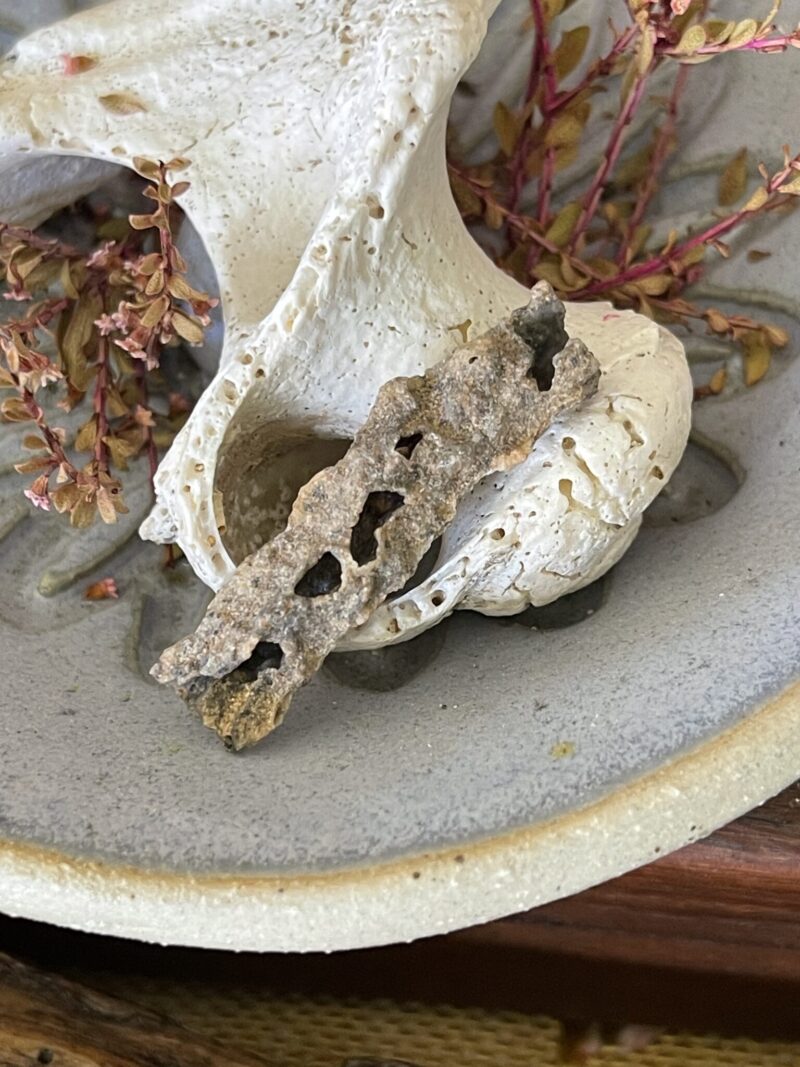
<point>705,938</point>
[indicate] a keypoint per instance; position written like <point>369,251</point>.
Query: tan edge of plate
<point>432,893</point>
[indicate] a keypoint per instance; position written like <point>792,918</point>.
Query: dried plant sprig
<point>108,313</point>
<point>598,245</point>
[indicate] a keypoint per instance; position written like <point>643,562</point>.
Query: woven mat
<point>300,1032</point>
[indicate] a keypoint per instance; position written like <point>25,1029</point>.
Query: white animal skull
<point>316,132</point>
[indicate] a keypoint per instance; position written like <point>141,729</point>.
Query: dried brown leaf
<point>82,514</point>
<point>654,284</point>
<point>767,23</point>
<point>745,32</point>
<point>178,287</point>
<point>689,259</point>
<point>549,269</point>
<point>570,50</point>
<point>565,156</point>
<point>150,264</point>
<point>121,450</point>
<point>187,328</point>
<point>757,200</point>
<point>78,335</point>
<point>87,435</point>
<point>566,129</point>
<point>776,335</point>
<point>493,215</point>
<point>105,589</point>
<point>692,39</point>
<point>14,410</point>
<point>718,380</point>
<point>32,441</point>
<point>105,506</point>
<point>718,30</point>
<point>143,222</point>
<point>35,463</point>
<point>757,356</point>
<point>67,279</point>
<point>154,312</point>
<point>646,50</point>
<point>717,321</point>
<point>65,497</point>
<point>467,200</point>
<point>507,127</point>
<point>791,188</point>
<point>560,229</point>
<point>155,283</point>
<point>733,180</point>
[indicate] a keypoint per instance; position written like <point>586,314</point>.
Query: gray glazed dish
<point>518,765</point>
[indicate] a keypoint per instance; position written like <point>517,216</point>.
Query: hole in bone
<point>629,428</point>
<point>378,508</point>
<point>265,656</point>
<point>657,473</point>
<point>498,534</point>
<point>438,598</point>
<point>323,578</point>
<point>261,467</point>
<point>374,207</point>
<point>406,445</point>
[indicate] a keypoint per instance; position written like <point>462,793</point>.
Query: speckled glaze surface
<point>517,766</point>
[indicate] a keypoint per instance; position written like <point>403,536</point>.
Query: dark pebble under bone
<point>359,529</point>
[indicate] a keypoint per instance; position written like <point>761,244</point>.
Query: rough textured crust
<point>358,530</point>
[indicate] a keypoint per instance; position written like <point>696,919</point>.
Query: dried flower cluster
<point>95,322</point>
<point>105,315</point>
<point>598,245</point>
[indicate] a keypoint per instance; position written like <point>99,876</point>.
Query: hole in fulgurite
<point>406,445</point>
<point>378,508</point>
<point>265,656</point>
<point>261,467</point>
<point>323,578</point>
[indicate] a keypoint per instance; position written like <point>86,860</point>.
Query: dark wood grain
<point>45,1019</point>
<point>705,938</point>
<point>728,904</point>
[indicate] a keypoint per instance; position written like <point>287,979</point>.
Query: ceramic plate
<point>519,764</point>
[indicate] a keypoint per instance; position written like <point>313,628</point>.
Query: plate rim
<point>432,893</point>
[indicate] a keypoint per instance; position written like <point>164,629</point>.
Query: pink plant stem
<point>779,43</point>
<point>53,443</point>
<point>517,163</point>
<point>661,152</point>
<point>662,262</point>
<point>548,100</point>
<point>100,400</point>
<point>150,444</point>
<point>598,69</point>
<point>610,157</point>
<point>50,246</point>
<point>519,222</point>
